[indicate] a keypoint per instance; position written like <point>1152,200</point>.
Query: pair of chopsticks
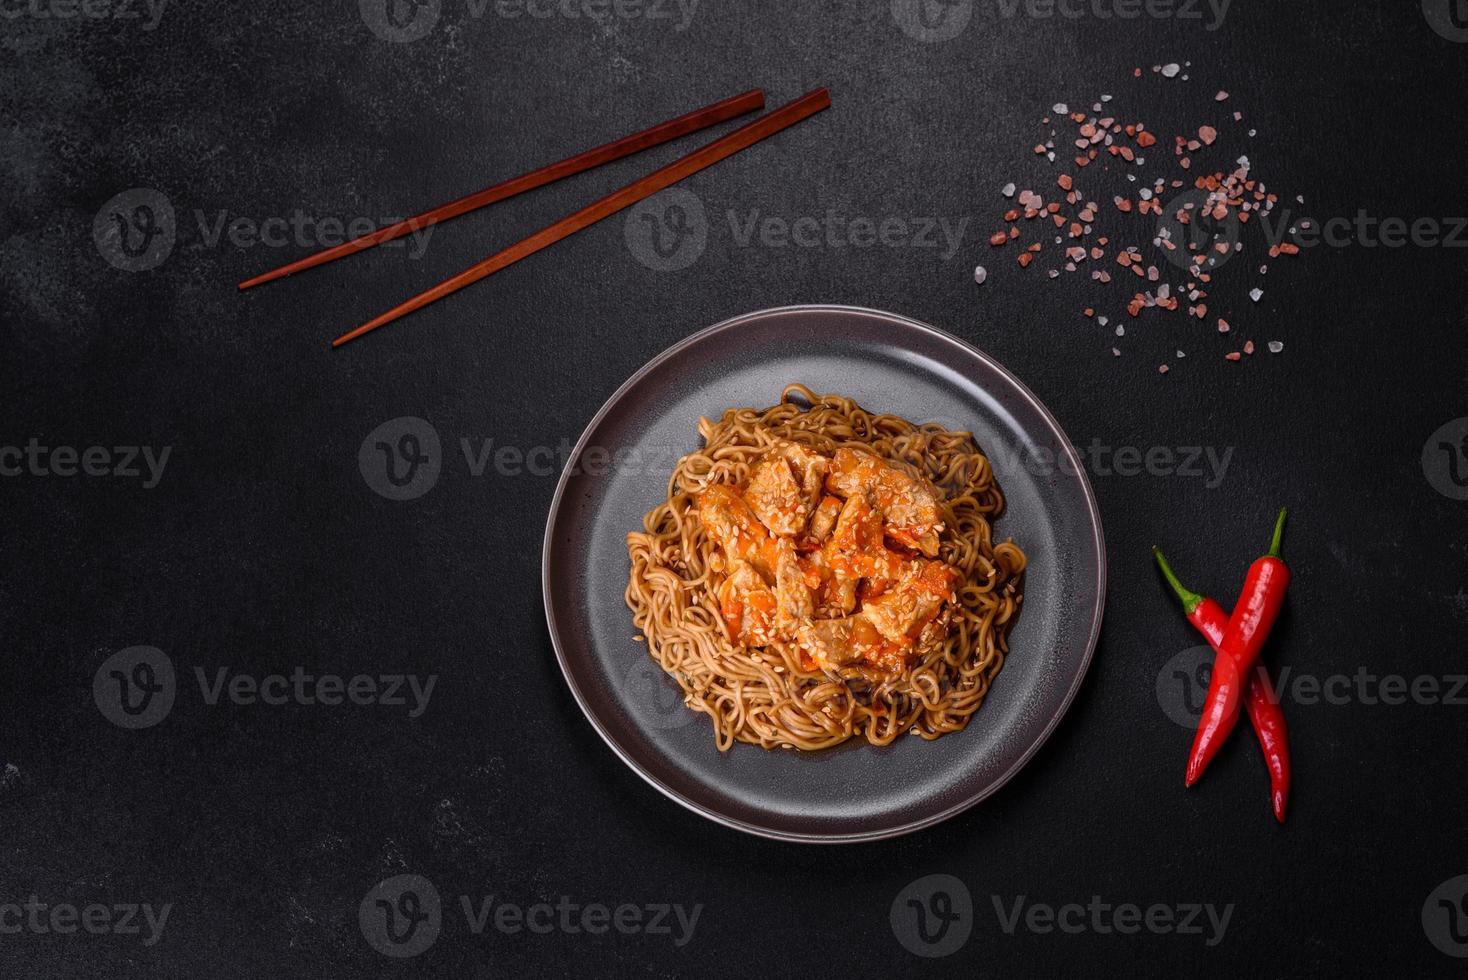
<point>701,159</point>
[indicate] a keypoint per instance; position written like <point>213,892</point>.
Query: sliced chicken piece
<point>775,496</point>
<point>910,512</point>
<point>822,522</point>
<point>833,643</point>
<point>809,468</point>
<point>785,487</point>
<point>855,549</point>
<point>833,596</point>
<point>908,605</point>
<point>853,471</point>
<point>840,595</point>
<point>911,515</point>
<point>748,606</point>
<point>792,593</point>
<point>734,527</point>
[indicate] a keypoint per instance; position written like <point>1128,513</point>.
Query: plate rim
<point>1097,611</point>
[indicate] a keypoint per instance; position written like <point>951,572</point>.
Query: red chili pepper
<point>1248,628</point>
<point>1263,707</point>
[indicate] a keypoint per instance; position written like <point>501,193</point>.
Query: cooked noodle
<point>763,695</point>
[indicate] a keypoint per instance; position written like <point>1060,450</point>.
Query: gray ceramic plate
<point>887,363</point>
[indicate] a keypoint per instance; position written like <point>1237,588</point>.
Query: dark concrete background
<point>262,548</point>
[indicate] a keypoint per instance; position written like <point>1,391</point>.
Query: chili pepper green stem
<point>1278,534</point>
<point>1190,600</point>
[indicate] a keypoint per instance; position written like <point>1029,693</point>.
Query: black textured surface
<point>262,548</point>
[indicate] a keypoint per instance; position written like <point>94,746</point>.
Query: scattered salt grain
<point>1115,352</point>
<point>980,274</point>
<point>1103,136</point>
<point>1275,346</point>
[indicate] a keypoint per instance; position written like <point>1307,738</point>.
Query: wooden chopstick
<point>626,146</point>
<point>726,146</point>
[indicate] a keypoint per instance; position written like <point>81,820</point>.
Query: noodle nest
<point>764,695</point>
